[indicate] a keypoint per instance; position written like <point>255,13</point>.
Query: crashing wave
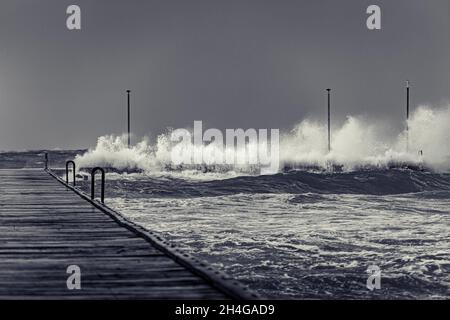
<point>357,145</point>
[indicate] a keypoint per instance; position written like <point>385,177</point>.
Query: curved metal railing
<point>93,172</point>
<point>73,171</point>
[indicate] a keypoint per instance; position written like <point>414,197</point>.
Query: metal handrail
<point>93,172</point>
<point>67,171</point>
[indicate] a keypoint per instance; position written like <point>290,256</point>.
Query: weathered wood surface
<point>45,227</point>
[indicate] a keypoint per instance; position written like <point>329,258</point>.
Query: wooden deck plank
<point>45,227</point>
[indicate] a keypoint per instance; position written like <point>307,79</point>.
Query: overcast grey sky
<point>230,63</point>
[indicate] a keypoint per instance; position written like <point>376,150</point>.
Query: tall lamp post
<point>407,115</point>
<point>329,121</point>
<point>128,100</point>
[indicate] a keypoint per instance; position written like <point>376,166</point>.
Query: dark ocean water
<point>296,234</point>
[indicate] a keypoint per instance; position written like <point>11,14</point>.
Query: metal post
<point>128,100</point>
<point>407,115</point>
<point>329,122</point>
<point>46,160</point>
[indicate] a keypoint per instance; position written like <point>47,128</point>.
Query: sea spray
<point>112,152</point>
<point>237,147</point>
<point>358,143</point>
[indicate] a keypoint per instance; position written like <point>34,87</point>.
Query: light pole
<point>407,115</point>
<point>128,100</point>
<point>329,121</point>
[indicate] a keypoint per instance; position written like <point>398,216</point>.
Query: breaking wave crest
<point>357,144</point>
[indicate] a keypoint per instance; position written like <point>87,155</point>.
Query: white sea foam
<point>316,250</point>
<point>359,142</point>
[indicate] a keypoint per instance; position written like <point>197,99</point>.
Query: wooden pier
<point>46,226</point>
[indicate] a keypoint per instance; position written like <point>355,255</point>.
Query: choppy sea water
<point>298,234</point>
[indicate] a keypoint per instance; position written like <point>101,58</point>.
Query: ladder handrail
<point>67,171</point>
<point>93,172</point>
